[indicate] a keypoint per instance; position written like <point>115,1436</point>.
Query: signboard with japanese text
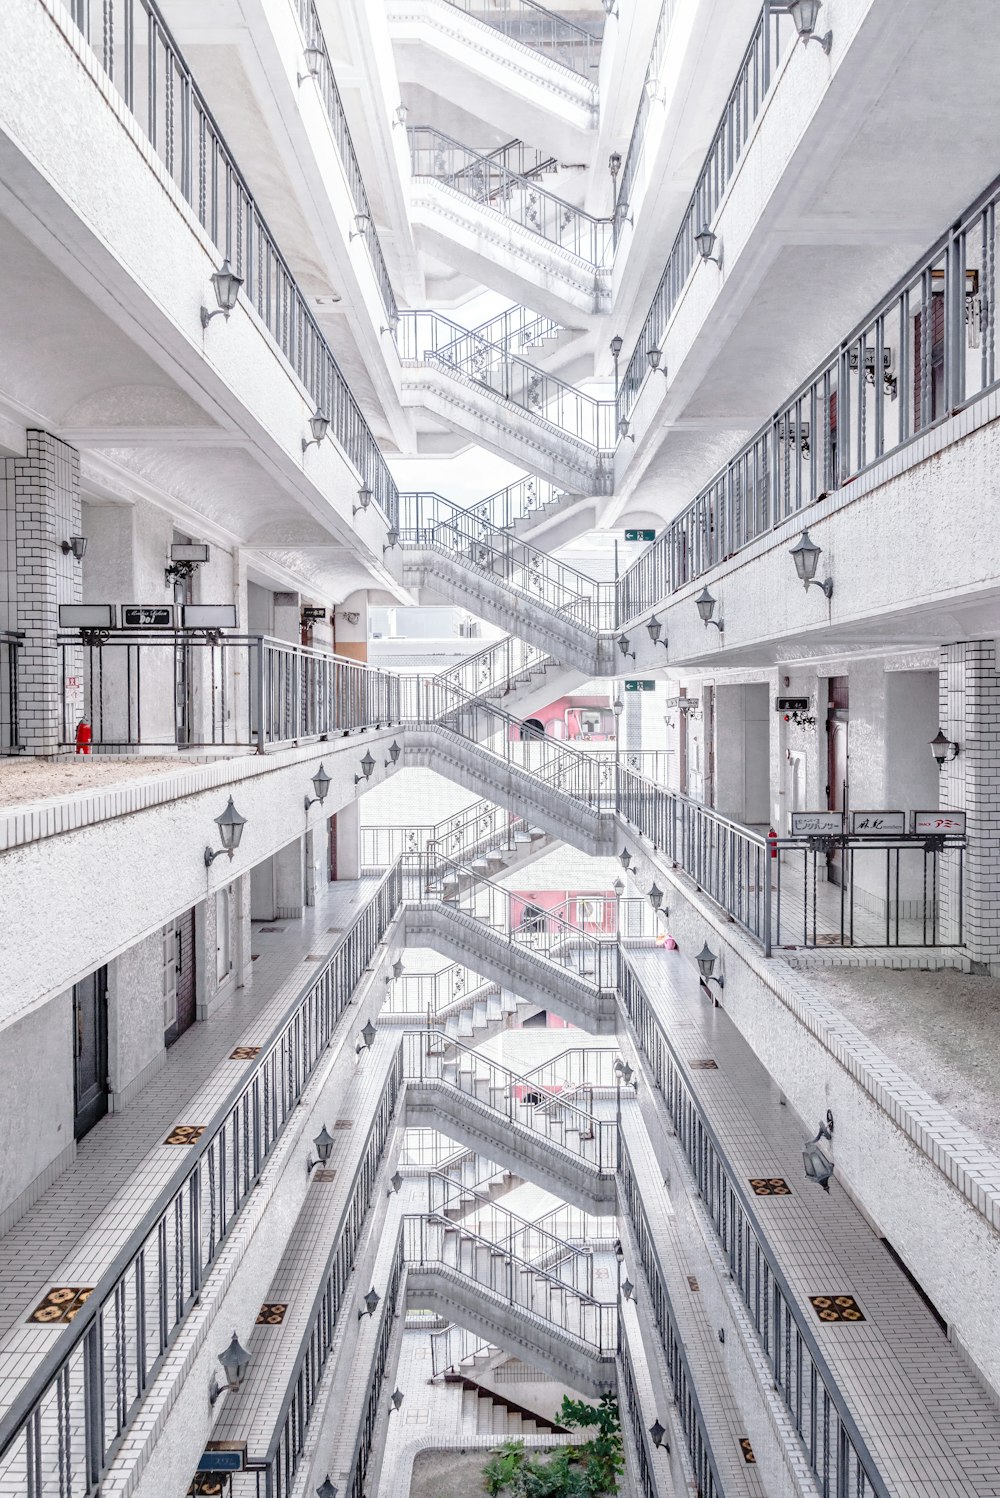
<point>878,823</point>
<point>939,823</point>
<point>791,704</point>
<point>817,823</point>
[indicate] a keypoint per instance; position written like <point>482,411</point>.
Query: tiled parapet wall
<point>970,717</point>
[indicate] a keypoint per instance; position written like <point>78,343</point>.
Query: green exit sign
<point>640,535</point>
<point>640,686</point>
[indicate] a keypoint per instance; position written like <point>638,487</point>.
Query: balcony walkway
<point>74,1231</point>
<point>930,1427</point>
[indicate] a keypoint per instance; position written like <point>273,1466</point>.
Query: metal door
<point>838,788</point>
<point>90,1051</point>
<point>179,957</point>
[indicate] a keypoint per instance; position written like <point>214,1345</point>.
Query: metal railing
<point>455,1348</point>
<point>489,182</point>
<point>189,689</point>
<point>430,339</point>
<point>137,52</point>
<point>439,525</point>
<point>628,176</point>
<point>497,669</point>
<point>275,1474</point>
<point>432,1056</point>
<point>528,1241</point>
<point>631,1408</point>
<point>355,1487</point>
<point>11,645</point>
<point>834,1446</point>
<point>65,1424</point>
<point>428,995</point>
<point>528,496</point>
<point>541,30</point>
<point>686,1401</point>
<point>480,828</point>
<point>578,1066</point>
<point>880,388</point>
<point>434,1242</point>
<point>321,69</point>
<point>773,32</point>
<point>518,329</point>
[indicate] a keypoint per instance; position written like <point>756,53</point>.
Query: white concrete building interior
<point>499,749</point>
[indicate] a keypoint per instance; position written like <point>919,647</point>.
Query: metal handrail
<point>531,25</point>
<point>509,660</point>
<point>312,32</point>
<point>721,1188</point>
<point>492,184</point>
<point>368,1424</point>
<point>176,120</point>
<point>627,177</point>
<point>743,107</point>
<point>518,328</point>
<point>195,1211</point>
<point>542,396</point>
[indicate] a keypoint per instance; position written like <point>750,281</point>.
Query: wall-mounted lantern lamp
<point>350,617</point>
<point>705,242</point>
<point>326,1488</point>
<point>817,1165</point>
<point>804,14</point>
<point>324,1149</point>
<point>392,324</point>
<point>706,608</point>
<point>625,858</point>
<point>367,766</point>
<point>623,643</point>
<point>706,960</point>
<point>655,629</point>
<point>395,1184</point>
<point>806,554</point>
<point>313,57</point>
<point>399,114</point>
<point>367,1039</point>
<point>397,971</point>
<point>321,785</point>
<point>615,163</point>
<point>371,1301</point>
<point>657,1432</point>
<point>230,825</point>
<point>619,1251</point>
<point>394,753</point>
<point>396,1399</point>
<point>77,545</point>
<point>653,356</point>
<point>319,425</point>
<point>625,1073</point>
<point>235,1360</point>
<point>624,431</point>
<point>365,498</point>
<point>226,285</point>
<point>362,224</point>
<point>943,748</point>
<point>392,536</point>
<point>619,888</point>
<point>656,900</point>
<point>627,1289</point>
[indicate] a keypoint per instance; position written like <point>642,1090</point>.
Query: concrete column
<point>970,716</point>
<point>42,493</point>
<point>288,618</point>
<point>742,751</point>
<point>348,834</point>
<point>309,865</point>
<point>289,881</point>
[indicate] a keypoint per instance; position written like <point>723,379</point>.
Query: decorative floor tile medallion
<point>60,1305</point>
<point>747,1451</point>
<point>323,1173</point>
<point>185,1134</point>
<point>244,1053</point>
<point>706,1064</point>
<point>836,1308</point>
<point>769,1186</point>
<point>272,1313</point>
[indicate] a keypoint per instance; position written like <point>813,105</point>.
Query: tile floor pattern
<point>930,1427</point>
<point>78,1225</point>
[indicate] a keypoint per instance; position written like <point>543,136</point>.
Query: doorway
<point>837,774</point>
<point>179,985</point>
<point>90,1051</point>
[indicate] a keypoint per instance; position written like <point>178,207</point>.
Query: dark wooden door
<point>185,986</point>
<point>90,1047</point>
<point>838,771</point>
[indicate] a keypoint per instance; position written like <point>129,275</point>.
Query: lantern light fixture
<point>618,707</point>
<point>392,537</point>
<point>226,285</point>
<point>230,825</point>
<point>625,858</point>
<point>367,1039</point>
<point>76,545</point>
<point>817,1164</point>
<point>806,554</point>
<point>314,61</point>
<point>371,1301</point>
<point>610,8</point>
<point>319,425</point>
<point>365,497</point>
<point>324,1149</point>
<point>656,900</point>
<point>705,243</point>
<point>804,14</point>
<point>623,643</point>
<point>619,888</point>
<point>399,114</point>
<point>655,629</point>
<point>392,324</point>
<point>321,785</point>
<point>615,163</point>
<point>362,224</point>
<point>619,1251</point>
<point>394,753</point>
<point>395,1184</point>
<point>627,1289</point>
<point>617,343</point>
<point>396,1399</point>
<point>326,1488</point>
<point>943,748</point>
<point>706,608</point>
<point>623,1071</point>
<point>706,960</point>
<point>657,1432</point>
<point>653,357</point>
<point>367,766</point>
<point>624,430</point>
<point>235,1360</point>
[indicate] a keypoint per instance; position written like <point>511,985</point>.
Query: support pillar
<point>348,835</point>
<point>289,881</point>
<point>970,716</point>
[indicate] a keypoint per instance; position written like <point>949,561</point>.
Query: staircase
<point>494,1414</point>
<point>460,1189</point>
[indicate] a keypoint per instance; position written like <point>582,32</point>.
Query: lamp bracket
<point>94,637</point>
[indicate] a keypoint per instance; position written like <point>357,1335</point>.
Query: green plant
<point>585,1471</point>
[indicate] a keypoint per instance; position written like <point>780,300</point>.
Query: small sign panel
<point>87,616</point>
<point>817,823</point>
<point>640,686</point>
<point>314,613</point>
<point>640,535</point>
<point>939,823</point>
<point>189,551</point>
<point>147,616</point>
<point>225,1457</point>
<point>791,704</point>
<point>208,616</point>
<point>878,823</point>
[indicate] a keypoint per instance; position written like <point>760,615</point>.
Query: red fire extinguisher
<point>83,737</point>
<point>772,842</point>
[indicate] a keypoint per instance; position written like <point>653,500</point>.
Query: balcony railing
<point>465,835</point>
<point>531,25</point>
<point>427,338</point>
<point>528,1241</point>
<point>11,644</point>
<point>133,45</point>
<point>523,200</point>
<point>368,1424</point>
<point>518,329</point>
<point>880,388</point>
<point>312,33</point>
<point>773,32</point>
<point>497,669</point>
<point>188,690</point>
<point>631,1411</point>
<point>629,174</point>
<point>833,1444</point>
<point>427,995</point>
<point>527,497</point>
<point>60,1434</point>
